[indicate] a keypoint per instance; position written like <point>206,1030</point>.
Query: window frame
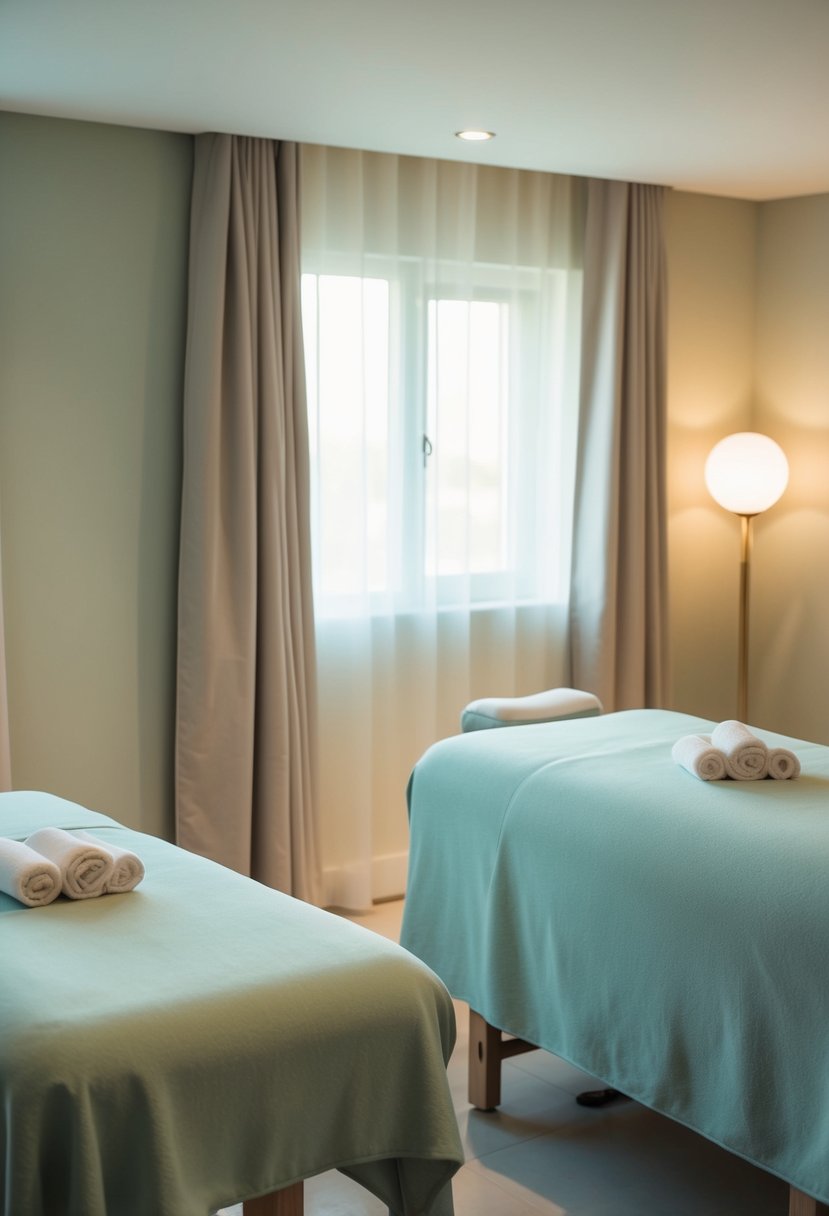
<point>413,284</point>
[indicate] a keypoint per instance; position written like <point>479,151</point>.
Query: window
<point>437,420</point>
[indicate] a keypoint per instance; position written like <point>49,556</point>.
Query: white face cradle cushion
<point>556,703</point>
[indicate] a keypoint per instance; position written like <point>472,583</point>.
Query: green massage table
<point>204,1040</point>
<point>669,936</point>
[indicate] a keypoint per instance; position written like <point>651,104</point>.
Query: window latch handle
<point>427,449</point>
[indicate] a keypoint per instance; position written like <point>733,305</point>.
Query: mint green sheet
<point>204,1040</point>
<point>667,935</point>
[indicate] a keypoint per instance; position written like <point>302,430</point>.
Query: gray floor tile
<point>332,1194</point>
<point>627,1161</point>
<point>530,1107</point>
<point>555,1070</point>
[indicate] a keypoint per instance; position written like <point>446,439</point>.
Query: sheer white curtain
<point>441,309</point>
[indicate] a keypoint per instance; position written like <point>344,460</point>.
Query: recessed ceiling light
<point>473,136</point>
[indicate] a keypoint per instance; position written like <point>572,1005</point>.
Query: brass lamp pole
<point>742,636</point>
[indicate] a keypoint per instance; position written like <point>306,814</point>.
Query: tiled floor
<point>542,1153</point>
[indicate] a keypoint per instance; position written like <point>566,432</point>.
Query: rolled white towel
<point>746,756</point>
<point>697,754</point>
<point>85,869</point>
<point>27,875</point>
<point>128,866</point>
<point>783,764</point>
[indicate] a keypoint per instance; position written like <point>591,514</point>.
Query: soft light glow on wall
<point>746,473</point>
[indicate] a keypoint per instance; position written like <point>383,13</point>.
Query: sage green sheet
<point>203,1040</point>
<point>667,935</point>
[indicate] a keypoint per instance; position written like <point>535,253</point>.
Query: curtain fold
<point>246,679</point>
<point>618,604</point>
<point>5,746</point>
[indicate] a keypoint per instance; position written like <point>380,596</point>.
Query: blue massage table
<point>666,935</point>
<point>204,1040</point>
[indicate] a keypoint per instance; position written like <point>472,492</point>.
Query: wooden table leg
<point>287,1202</point>
<point>484,1080</point>
<point>487,1048</point>
<point>804,1205</point>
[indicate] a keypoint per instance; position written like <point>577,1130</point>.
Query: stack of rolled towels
<point>78,864</point>
<point>732,750</point>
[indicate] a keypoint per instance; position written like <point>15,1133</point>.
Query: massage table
<point>204,1040</point>
<point>585,894</point>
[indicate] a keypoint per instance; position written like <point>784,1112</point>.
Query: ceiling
<point>721,96</point>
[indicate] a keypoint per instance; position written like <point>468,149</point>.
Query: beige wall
<point>749,349</point>
<point>711,246</point>
<point>789,663</point>
<point>93,248</point>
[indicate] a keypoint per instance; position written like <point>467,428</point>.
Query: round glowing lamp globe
<point>746,473</point>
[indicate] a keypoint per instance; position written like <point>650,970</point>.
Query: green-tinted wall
<point>93,264</point>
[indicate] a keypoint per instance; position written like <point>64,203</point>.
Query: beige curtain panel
<point>618,606</point>
<point>246,713</point>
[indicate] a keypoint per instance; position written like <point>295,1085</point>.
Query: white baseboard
<point>357,886</point>
<point>388,875</point>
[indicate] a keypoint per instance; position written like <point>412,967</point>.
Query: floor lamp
<point>745,473</point>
